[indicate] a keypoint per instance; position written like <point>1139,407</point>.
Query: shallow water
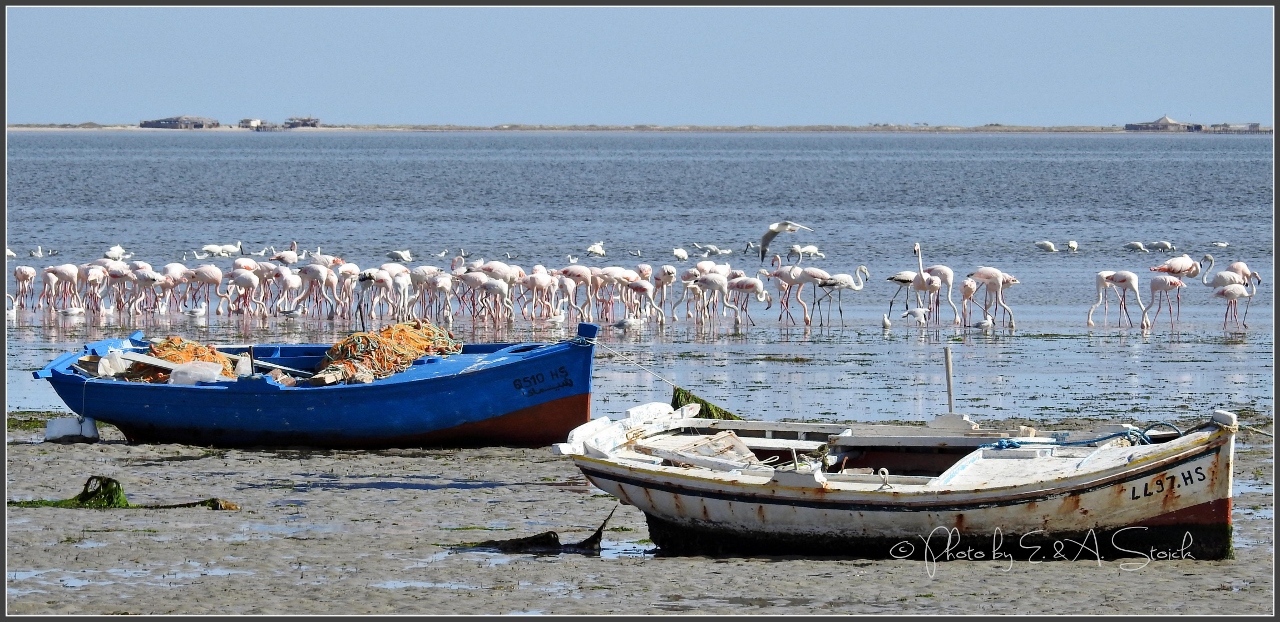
<point>968,200</point>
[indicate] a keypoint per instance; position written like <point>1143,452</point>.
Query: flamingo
<point>968,288</point>
<point>804,277</point>
<point>1242,269</point>
<point>117,253</point>
<point>904,280</point>
<point>994,280</point>
<point>287,258</point>
<point>1100,280</point>
<point>947,276</point>
<point>25,277</point>
<point>1162,284</point>
<point>1127,281</point>
<point>1233,293</point>
<point>918,315</point>
<point>748,287</point>
<point>713,285</point>
<point>801,251</point>
<point>841,282</point>
<point>773,231</point>
<point>1181,266</point>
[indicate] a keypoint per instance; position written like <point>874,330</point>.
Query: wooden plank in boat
<point>910,441</point>
<point>138,357</point>
<point>258,363</point>
<point>169,365</point>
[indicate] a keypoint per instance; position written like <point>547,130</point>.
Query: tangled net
<point>177,350</point>
<point>388,351</point>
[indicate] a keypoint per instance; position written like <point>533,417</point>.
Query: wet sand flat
<point>369,532</point>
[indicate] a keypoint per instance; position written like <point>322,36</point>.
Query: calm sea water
<point>969,200</point>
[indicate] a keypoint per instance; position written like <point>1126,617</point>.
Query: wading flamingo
<point>1127,281</point>
<point>1232,294</point>
<point>1100,280</point>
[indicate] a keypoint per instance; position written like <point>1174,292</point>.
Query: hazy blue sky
<point>662,66</point>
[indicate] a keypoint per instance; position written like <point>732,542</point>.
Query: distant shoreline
<point>883,128</point>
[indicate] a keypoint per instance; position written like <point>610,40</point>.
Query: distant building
<point>1237,127</point>
<point>293,122</point>
<point>182,123</point>
<point>1163,124</point>
<point>249,124</point>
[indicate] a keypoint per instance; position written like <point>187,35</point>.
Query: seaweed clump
<point>103,493</point>
<point>680,397</point>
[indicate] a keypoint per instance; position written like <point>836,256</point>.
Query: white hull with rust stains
<point>1171,495</point>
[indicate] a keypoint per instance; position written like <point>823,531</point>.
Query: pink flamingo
<point>946,276</point>
<point>810,275</point>
<point>747,287</point>
<point>25,277</point>
<point>715,288</point>
<point>841,282</point>
<point>204,277</point>
<point>1182,266</point>
<point>994,280</point>
<point>1127,281</point>
<point>1101,282</point>
<point>1233,293</point>
<point>968,288</point>
<point>1162,284</point>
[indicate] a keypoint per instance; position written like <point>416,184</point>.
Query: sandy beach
<point>371,532</point>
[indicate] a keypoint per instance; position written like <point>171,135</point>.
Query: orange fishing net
<point>177,350</point>
<point>388,351</point>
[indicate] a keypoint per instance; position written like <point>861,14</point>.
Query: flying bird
<point>774,230</point>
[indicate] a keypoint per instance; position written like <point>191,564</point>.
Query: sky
<point>666,66</point>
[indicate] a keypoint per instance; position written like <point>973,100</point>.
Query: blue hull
<point>504,394</point>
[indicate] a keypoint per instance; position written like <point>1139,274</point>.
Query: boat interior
<point>906,452</point>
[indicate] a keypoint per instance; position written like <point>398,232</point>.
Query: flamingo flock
<point>1232,284</point>
<point>300,284</point>
<point>297,283</point>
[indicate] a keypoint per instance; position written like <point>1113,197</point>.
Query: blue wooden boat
<point>494,394</point>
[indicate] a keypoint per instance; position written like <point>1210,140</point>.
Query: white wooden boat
<point>944,490</point>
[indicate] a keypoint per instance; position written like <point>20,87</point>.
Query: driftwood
<point>545,543</point>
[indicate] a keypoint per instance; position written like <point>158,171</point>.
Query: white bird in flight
<point>774,230</point>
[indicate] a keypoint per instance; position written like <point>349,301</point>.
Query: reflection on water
<point>1048,368</point>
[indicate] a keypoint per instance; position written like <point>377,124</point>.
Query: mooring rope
<point>596,342</point>
<point>1253,429</point>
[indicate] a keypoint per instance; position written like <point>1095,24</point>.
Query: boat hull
<point>1172,502</point>
<point>522,394</point>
